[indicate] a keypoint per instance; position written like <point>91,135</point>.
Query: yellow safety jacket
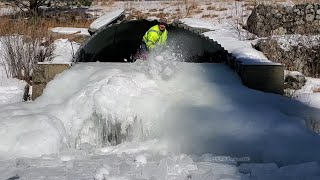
<point>154,37</point>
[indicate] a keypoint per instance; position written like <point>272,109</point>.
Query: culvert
<point>118,42</point>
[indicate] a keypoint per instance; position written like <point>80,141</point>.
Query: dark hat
<point>163,22</point>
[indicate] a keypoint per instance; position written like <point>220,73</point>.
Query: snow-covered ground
<point>174,121</point>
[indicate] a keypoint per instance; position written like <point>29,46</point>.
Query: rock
<point>295,80</point>
<point>267,19</point>
<point>280,31</point>
<point>309,17</point>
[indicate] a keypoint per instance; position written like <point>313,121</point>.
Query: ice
<point>141,159</point>
<point>102,172</point>
<point>301,170</point>
<point>258,169</point>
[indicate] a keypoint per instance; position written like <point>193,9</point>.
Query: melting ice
<point>142,115</point>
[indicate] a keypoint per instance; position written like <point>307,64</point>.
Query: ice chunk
<point>141,159</point>
<point>101,172</point>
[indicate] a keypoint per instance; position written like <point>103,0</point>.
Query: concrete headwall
<point>42,74</point>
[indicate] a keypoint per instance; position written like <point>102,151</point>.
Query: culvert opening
<point>119,42</point>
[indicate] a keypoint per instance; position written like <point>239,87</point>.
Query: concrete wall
<point>266,77</point>
<point>44,73</point>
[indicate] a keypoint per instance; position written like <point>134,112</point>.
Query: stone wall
<point>299,57</point>
<point>266,20</point>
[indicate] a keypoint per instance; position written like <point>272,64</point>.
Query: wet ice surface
<point>148,164</point>
<point>166,117</point>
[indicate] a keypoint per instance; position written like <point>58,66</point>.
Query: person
<point>154,39</point>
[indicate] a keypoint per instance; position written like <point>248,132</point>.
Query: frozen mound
<point>195,108</point>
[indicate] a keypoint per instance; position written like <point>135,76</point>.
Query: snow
<point>198,23</point>
<point>69,30</point>
<point>11,91</point>
<point>64,51</point>
<point>228,37</point>
<point>287,41</point>
<point>8,10</point>
<point>106,19</point>
<point>309,93</point>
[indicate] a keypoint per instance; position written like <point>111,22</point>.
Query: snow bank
<point>29,135</point>
<point>11,90</point>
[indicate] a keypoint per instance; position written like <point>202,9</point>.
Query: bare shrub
<point>190,5</point>
<point>221,9</point>
<point>24,44</point>
<point>206,16</point>
<point>22,53</point>
<point>153,10</point>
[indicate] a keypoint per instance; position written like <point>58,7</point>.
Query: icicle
<point>100,131</point>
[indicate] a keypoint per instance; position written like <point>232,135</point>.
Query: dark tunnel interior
<point>121,41</point>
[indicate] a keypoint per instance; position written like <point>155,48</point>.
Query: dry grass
<point>206,16</point>
<point>153,10</point>
<point>103,2</point>
<point>36,27</point>
<point>211,8</point>
<point>221,9</point>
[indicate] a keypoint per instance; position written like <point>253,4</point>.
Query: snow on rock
<point>287,41</point>
<point>106,19</point>
<point>309,93</point>
<point>69,30</point>
<point>64,50</point>
<point>11,90</point>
